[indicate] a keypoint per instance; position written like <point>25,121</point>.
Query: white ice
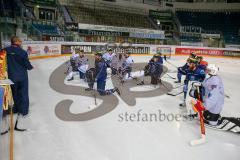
<point>105,138</point>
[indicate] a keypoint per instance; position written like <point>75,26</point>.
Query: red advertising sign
<point>212,52</point>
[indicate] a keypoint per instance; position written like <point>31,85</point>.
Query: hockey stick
<point>160,81</point>
<point>95,97</point>
<point>178,86</point>
<point>171,94</point>
<point>165,58</point>
<point>170,76</point>
<point>203,134</point>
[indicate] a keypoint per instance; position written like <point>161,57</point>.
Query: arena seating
<point>48,29</point>
<point>67,17</point>
<point>227,23</point>
<point>108,17</point>
<point>7,9</point>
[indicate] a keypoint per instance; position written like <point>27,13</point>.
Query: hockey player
<point>114,64</point>
<point>127,66</point>
<point>211,94</point>
<point>18,65</point>
<point>153,69</point>
<point>193,74</point>
<point>202,64</point>
<point>213,97</point>
<point>101,76</point>
<point>108,56</point>
<point>182,70</point>
<point>72,66</point>
<point>156,69</point>
<point>209,99</point>
<point>160,58</point>
<point>82,63</point>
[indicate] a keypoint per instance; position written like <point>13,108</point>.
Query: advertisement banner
<point>196,44</point>
<point>103,33</point>
<point>211,36</point>
<point>147,35</point>
<point>88,49</point>
<point>201,51</point>
<point>42,49</point>
<point>164,50</point>
<point>160,14</point>
<point>68,49</point>
<point>231,53</point>
<point>117,29</point>
<point>52,38</point>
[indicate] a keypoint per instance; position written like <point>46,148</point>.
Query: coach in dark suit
<point>18,65</point>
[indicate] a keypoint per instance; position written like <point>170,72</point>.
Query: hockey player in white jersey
<point>82,63</point>
<point>127,66</point>
<point>213,98</point>
<point>108,56</point>
<point>72,66</point>
<point>212,95</point>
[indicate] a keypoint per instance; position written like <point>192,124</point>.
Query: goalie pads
<point>193,90</point>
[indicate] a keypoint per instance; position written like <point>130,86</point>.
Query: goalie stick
<point>203,134</point>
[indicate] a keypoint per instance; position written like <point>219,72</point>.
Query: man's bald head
<point>16,40</point>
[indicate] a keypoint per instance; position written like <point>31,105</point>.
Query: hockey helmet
<point>212,69</point>
<point>98,54</point>
<point>192,60</point>
<point>192,55</point>
<point>156,56</point>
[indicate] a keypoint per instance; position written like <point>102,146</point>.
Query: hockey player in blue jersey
<point>202,63</point>
<point>154,69</point>
<point>160,58</point>
<point>101,76</point>
<point>193,74</point>
<point>182,70</point>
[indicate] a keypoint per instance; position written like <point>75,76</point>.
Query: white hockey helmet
<point>212,69</point>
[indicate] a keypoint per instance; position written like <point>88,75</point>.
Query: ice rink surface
<point>108,138</point>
